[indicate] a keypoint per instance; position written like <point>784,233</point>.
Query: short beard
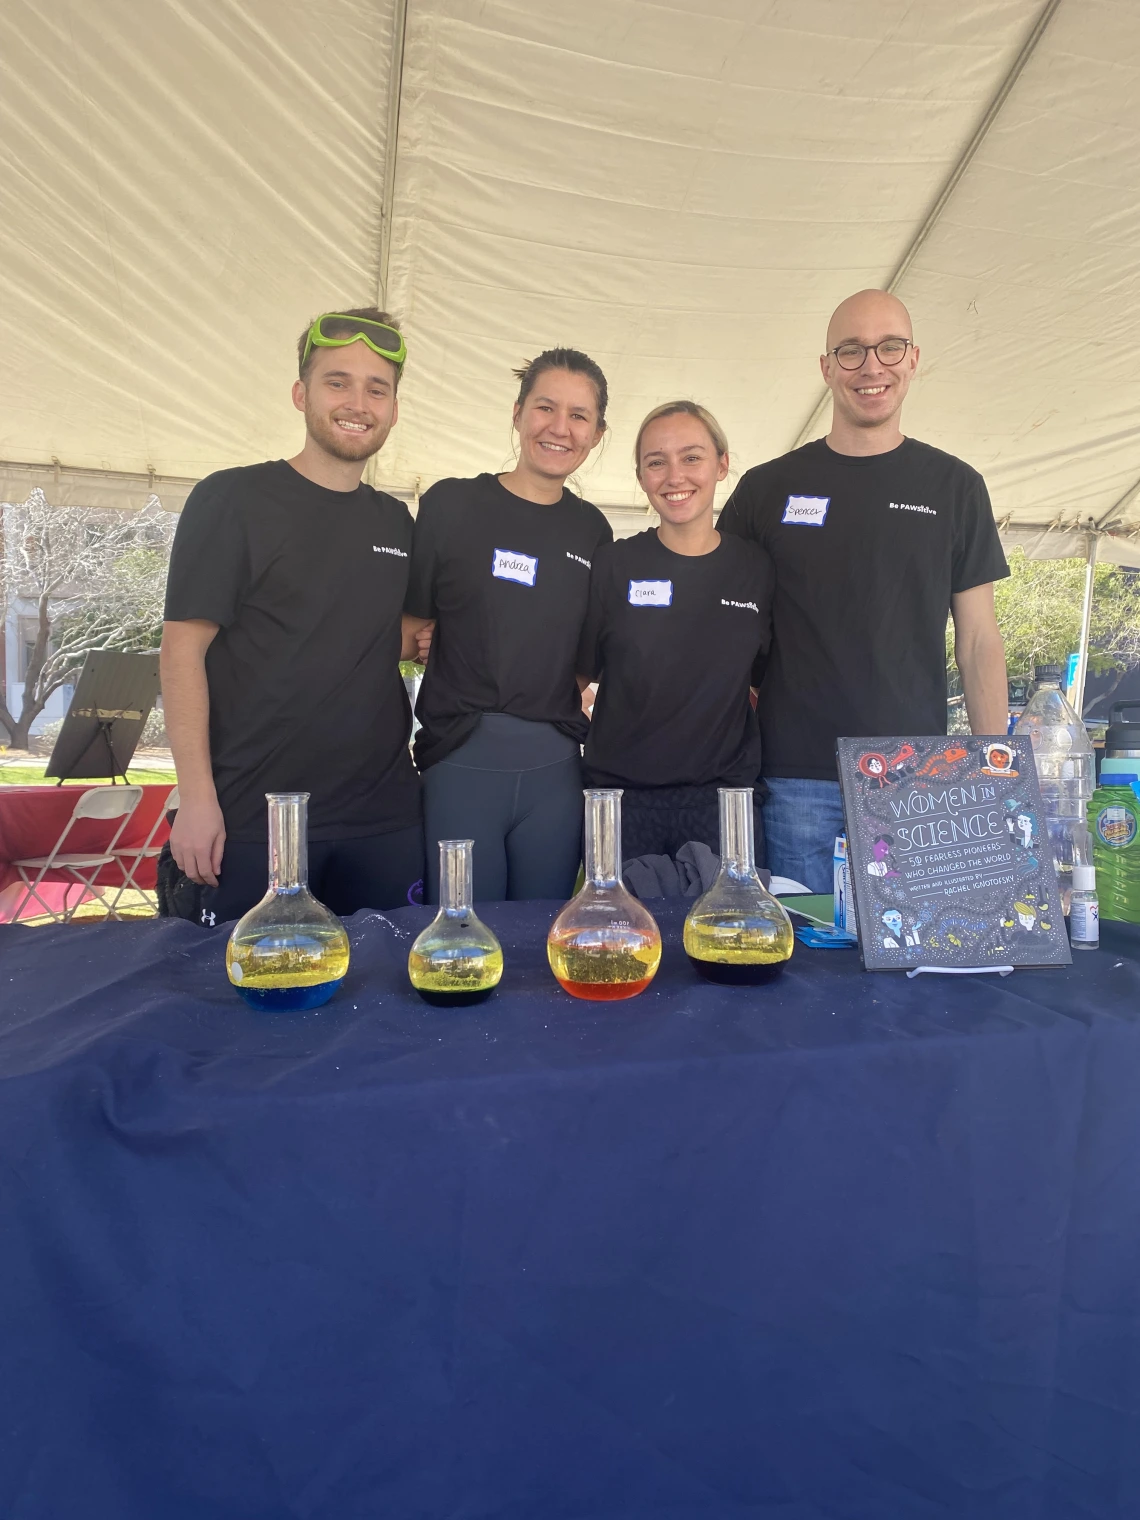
<point>341,445</point>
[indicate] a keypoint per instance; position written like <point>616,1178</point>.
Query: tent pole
<point>391,145</point>
<point>1086,624</point>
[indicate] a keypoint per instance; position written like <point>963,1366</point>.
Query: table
<point>32,819</point>
<point>844,1247</point>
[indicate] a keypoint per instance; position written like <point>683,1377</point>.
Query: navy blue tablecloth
<point>847,1247</point>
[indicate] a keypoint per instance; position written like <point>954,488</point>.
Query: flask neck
<point>288,840</point>
<point>455,889</point>
<point>737,836</point>
<point>602,856</point>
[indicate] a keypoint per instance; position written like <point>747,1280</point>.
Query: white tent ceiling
<point>684,190</point>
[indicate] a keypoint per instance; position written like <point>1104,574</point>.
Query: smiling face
<point>678,467</point>
<point>558,423</point>
<point>348,397</point>
<point>872,395</point>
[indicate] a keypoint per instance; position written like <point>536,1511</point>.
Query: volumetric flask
<point>289,952</point>
<point>604,945</point>
<point>737,931</point>
<point>456,960</point>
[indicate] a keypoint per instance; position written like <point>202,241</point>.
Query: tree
<point>1039,613</point>
<point>91,579</point>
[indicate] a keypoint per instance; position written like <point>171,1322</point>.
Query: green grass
<point>33,775</point>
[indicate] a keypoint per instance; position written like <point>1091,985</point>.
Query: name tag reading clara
<point>651,593</point>
<point>510,566</point>
<point>807,511</point>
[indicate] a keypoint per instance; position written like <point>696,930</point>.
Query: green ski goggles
<point>333,330</point>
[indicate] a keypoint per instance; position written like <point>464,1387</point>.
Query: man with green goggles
<point>281,647</point>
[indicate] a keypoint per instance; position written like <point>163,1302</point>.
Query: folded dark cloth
<point>687,874</point>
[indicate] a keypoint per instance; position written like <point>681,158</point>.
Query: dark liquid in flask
<point>455,999</point>
<point>740,974</point>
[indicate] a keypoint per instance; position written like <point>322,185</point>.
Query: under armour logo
<point>209,919</point>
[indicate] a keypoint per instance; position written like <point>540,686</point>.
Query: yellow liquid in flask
<point>454,978</point>
<point>281,968</point>
<point>743,948</point>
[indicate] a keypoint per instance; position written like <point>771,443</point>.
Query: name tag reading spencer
<point>651,593</point>
<point>807,511</point>
<point>508,565</point>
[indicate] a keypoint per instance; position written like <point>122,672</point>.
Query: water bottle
<point>1066,771</point>
<point>1121,744</point>
<point>1114,824</point>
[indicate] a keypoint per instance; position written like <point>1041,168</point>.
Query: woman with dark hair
<point>502,565</point>
<point>678,626</point>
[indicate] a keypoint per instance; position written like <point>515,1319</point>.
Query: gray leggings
<point>515,788</point>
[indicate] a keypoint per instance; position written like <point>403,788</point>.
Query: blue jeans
<point>801,820</point>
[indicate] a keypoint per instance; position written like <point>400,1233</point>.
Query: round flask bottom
<point>603,992</point>
<point>454,999</point>
<point>288,999</point>
<point>738,973</point>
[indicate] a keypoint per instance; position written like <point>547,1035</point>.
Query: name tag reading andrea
<point>507,565</point>
<point>806,511</point>
<point>651,593</point>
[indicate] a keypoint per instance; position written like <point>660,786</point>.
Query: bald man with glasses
<point>876,540</point>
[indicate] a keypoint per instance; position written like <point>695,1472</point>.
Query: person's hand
<point>197,839</point>
<point>423,642</point>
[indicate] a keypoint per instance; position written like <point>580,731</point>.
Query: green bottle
<point>1114,826</point>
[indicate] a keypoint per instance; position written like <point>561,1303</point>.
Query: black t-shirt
<point>676,639</point>
<point>307,586</point>
<point>507,581</point>
<point>868,552</point>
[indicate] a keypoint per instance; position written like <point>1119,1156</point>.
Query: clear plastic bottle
<point>456,960</point>
<point>1066,769</point>
<point>604,945</point>
<point>737,931</point>
<point>289,952</point>
<point>1084,911</point>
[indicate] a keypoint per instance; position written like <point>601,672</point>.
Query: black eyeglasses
<point>853,355</point>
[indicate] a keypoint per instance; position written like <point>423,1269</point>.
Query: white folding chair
<point>105,802</point>
<point>130,859</point>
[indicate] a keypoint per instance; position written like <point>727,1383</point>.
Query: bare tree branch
<point>92,580</point>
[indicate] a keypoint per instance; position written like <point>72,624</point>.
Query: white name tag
<point>509,566</point>
<point>651,593</point>
<point>808,511</point>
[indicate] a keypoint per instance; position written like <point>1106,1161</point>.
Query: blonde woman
<point>679,623</point>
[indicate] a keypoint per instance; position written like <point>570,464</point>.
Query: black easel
<point>106,729</point>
